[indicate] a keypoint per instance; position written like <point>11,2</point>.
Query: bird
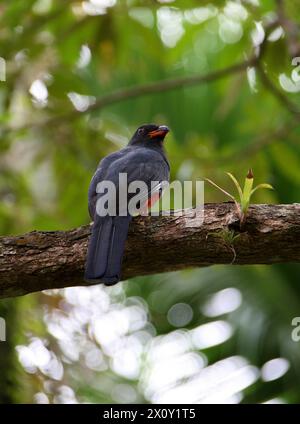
<point>143,159</point>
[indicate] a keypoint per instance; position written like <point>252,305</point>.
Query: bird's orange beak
<point>161,131</point>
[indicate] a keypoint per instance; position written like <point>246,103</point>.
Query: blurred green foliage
<point>61,57</point>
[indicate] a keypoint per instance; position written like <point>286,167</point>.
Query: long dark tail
<point>106,248</point>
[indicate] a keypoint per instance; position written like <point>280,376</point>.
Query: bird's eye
<point>140,131</point>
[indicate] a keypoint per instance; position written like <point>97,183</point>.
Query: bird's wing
<point>143,165</point>
<point>155,175</point>
<point>99,176</point>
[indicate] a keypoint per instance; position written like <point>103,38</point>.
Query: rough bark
<point>46,260</point>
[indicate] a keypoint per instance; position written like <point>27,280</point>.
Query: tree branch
<point>122,94</point>
<point>278,94</point>
<point>260,142</point>
<point>46,260</point>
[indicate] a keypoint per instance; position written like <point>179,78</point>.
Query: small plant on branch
<point>229,237</point>
<point>243,202</point>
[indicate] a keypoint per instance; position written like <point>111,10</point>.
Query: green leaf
<point>247,191</point>
<point>268,186</point>
<point>236,184</point>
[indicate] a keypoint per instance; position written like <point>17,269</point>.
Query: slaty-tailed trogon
<point>143,159</point>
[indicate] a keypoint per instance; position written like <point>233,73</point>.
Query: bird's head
<point>149,133</point>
